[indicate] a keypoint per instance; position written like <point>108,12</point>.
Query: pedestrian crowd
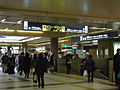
<point>27,63</point>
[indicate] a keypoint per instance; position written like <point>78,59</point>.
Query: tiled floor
<point>55,81</point>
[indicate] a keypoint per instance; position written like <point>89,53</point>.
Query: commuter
<point>116,66</point>
<point>52,63</point>
<point>68,64</point>
<point>40,69</point>
<point>82,66</point>
<point>48,65</point>
<point>21,62</point>
<point>4,59</point>
<point>34,59</point>
<point>90,67</point>
<point>17,63</point>
<point>11,66</point>
<point>27,64</point>
<point>33,62</point>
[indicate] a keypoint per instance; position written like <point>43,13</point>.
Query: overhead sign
<point>54,27</point>
<point>2,36</point>
<point>105,35</point>
<point>65,45</point>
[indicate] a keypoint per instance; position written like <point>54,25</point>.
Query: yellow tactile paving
<point>67,83</point>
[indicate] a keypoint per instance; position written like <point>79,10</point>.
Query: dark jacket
<point>68,63</point>
<point>21,62</point>
<point>90,64</point>
<point>27,64</point>
<point>116,62</point>
<point>5,59</point>
<point>40,66</point>
<point>11,66</point>
<point>52,60</point>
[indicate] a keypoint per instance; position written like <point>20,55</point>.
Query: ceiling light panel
<point>11,39</point>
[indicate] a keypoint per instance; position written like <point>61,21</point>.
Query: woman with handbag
<point>90,67</point>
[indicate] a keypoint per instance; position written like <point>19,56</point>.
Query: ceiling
<point>94,13</point>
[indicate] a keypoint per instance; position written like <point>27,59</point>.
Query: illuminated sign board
<point>54,27</point>
<point>2,36</point>
<point>106,35</point>
<point>74,47</point>
<point>65,45</point>
<point>84,38</point>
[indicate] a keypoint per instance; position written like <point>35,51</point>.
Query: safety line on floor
<point>67,83</point>
<point>81,78</point>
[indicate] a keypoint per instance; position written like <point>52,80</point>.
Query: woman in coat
<point>40,69</point>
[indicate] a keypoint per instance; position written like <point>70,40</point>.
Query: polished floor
<point>54,81</point>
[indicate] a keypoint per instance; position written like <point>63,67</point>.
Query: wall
<point>102,64</point>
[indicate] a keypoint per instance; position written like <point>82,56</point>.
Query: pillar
<point>54,50</point>
<point>9,50</point>
<point>24,47</point>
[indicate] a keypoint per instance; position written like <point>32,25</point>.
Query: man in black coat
<point>40,69</point>
<point>116,66</point>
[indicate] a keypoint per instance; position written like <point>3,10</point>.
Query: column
<point>24,47</point>
<point>54,50</point>
<point>9,50</point>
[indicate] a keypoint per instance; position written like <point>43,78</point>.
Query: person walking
<point>40,69</point>
<point>27,64</point>
<point>21,62</point>
<point>11,66</point>
<point>82,66</point>
<point>5,59</point>
<point>116,66</point>
<point>52,63</point>
<point>90,67</point>
<point>68,64</point>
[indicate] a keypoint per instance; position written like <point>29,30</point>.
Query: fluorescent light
<point>30,39</point>
<point>19,22</point>
<point>3,20</point>
<point>6,29</point>
<point>11,39</point>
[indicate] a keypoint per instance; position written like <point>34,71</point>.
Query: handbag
<point>35,78</point>
<point>85,73</point>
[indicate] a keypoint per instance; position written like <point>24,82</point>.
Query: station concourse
<point>74,28</point>
<point>54,81</point>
